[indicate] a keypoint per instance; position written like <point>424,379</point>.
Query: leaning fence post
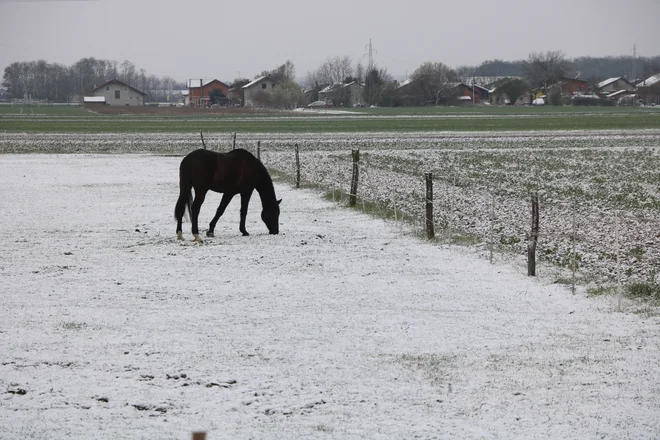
<point>259,150</point>
<point>533,237</point>
<point>451,211</point>
<point>297,167</point>
<point>618,260</point>
<point>430,232</point>
<point>492,224</point>
<point>573,262</point>
<point>354,179</point>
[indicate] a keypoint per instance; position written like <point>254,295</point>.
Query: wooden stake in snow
<point>533,237</point>
<point>492,224</point>
<point>352,201</point>
<point>618,260</point>
<point>430,231</point>
<point>259,150</point>
<point>297,167</point>
<point>233,143</point>
<point>573,262</point>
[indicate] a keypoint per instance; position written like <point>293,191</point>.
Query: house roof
<point>648,82</point>
<point>116,81</point>
<point>405,83</point>
<point>194,83</point>
<point>334,86</point>
<point>486,81</point>
<point>607,82</point>
<point>261,78</point>
<point>618,93</point>
<point>612,80</point>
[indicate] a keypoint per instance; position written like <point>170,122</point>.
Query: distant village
<point>431,84</point>
<point>477,91</point>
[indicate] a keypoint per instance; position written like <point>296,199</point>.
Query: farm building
<point>257,92</point>
<point>649,90</point>
<point>409,93</point>
<point>345,95</point>
<point>117,93</point>
<point>471,94</point>
<point>614,85</point>
<point>199,91</point>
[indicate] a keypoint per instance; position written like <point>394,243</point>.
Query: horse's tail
<point>185,196</point>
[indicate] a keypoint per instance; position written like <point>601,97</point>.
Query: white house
<point>255,92</point>
<point>118,93</point>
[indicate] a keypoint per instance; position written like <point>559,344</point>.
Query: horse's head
<point>271,217</point>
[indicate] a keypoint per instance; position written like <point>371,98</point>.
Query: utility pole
<point>370,67</point>
<point>633,76</point>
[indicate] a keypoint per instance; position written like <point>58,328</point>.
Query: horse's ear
<point>279,201</point>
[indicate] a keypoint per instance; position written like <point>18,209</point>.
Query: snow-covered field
<point>339,327</point>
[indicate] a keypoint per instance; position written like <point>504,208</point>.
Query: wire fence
<point>588,243</point>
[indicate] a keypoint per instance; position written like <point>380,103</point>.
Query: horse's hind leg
<point>194,213</point>
<point>226,198</point>
<point>179,212</point>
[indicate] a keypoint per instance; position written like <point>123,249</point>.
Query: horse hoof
<point>245,234</point>
<point>210,234</point>
<point>179,236</point>
<point>197,239</point>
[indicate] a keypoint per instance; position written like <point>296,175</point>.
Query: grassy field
<point>62,120</point>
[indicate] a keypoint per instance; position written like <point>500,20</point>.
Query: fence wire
<point>574,236</point>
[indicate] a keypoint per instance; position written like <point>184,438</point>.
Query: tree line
<point>435,83</point>
<point>434,80</point>
<point>54,82</point>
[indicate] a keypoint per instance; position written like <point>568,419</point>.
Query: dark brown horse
<point>236,172</point>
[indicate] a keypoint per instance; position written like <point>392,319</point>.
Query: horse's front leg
<point>226,198</point>
<point>194,213</point>
<point>245,201</point>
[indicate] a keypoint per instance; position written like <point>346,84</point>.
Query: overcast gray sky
<point>210,38</point>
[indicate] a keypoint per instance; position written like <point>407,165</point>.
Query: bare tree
<point>513,88</point>
<point>282,73</point>
<point>545,69</point>
<point>128,74</point>
<point>287,95</point>
<point>375,83</point>
<point>464,73</point>
<point>435,80</point>
<point>332,71</point>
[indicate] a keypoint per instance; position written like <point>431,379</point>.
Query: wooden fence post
<point>352,200</point>
<point>233,143</point>
<point>491,232</point>
<point>533,237</point>
<point>573,257</point>
<point>259,150</point>
<point>617,226</point>
<point>430,232</point>
<point>297,167</point>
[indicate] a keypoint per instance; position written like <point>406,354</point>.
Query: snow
<point>343,326</point>
<point>650,81</point>
<point>250,84</point>
<point>94,99</point>
<point>608,82</point>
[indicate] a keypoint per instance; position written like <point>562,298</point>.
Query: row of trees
<point>60,83</point>
<point>434,80</point>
